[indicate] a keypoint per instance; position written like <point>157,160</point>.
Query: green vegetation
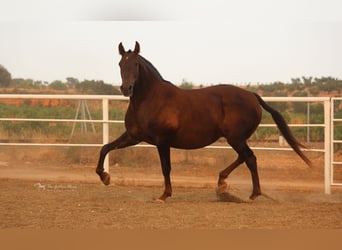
<point>305,86</point>
<point>70,86</point>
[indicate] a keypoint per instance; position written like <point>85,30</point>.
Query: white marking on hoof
<point>159,201</point>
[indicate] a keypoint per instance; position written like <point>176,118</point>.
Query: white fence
<point>327,125</point>
<point>333,140</point>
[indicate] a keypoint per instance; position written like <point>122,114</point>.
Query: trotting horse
<point>166,116</point>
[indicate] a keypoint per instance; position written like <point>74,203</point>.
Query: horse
<point>166,116</point>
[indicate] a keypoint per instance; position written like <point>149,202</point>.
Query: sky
<point>203,42</point>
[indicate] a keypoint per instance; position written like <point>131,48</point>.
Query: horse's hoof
<point>221,188</point>
<point>262,197</point>
<point>254,196</point>
<point>163,197</point>
<point>105,178</point>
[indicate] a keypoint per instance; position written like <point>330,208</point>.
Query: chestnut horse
<point>164,115</point>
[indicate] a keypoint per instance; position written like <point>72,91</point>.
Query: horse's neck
<point>146,85</point>
<point>149,77</point>
<point>150,83</point>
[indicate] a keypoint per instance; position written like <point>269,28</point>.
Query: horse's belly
<point>194,139</point>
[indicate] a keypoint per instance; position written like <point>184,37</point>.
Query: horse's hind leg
<point>245,155</point>
<point>221,184</point>
<point>252,166</point>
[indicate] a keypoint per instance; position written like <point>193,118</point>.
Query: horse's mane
<point>151,66</point>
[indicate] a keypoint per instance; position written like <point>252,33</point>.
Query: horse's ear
<point>121,49</point>
<point>137,48</point>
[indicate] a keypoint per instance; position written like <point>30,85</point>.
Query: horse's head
<point>129,67</point>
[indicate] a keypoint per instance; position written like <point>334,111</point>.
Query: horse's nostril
<point>129,87</point>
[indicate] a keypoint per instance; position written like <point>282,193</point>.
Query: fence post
<point>327,146</point>
<point>105,130</point>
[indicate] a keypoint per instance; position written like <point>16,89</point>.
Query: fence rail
<point>105,121</point>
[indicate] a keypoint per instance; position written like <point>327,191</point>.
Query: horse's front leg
<point>164,155</point>
<point>123,141</point>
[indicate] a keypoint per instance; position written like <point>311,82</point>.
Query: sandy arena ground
<point>36,196</point>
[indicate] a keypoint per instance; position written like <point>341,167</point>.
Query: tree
<point>5,77</point>
<point>58,85</point>
<point>72,82</point>
<point>96,87</point>
<point>22,83</point>
<point>307,81</point>
<point>186,84</point>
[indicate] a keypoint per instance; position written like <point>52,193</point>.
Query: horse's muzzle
<point>127,89</point>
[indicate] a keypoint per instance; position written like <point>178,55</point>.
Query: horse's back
<point>221,110</point>
<point>230,98</point>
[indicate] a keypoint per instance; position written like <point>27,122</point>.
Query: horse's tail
<point>284,129</point>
